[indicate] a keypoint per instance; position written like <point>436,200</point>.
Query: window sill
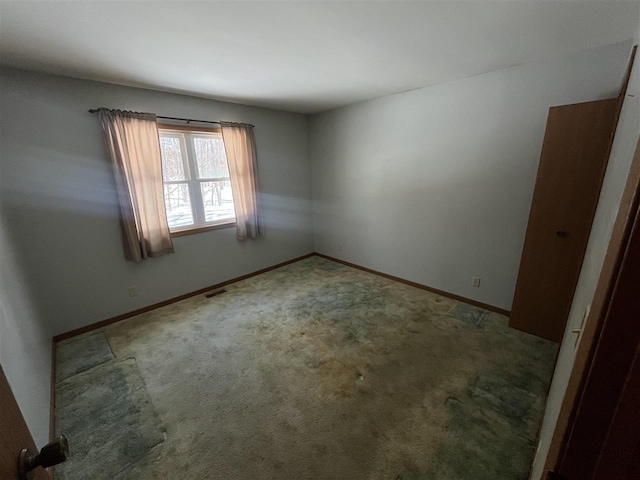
<point>200,229</point>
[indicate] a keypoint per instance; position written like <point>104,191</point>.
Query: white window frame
<point>190,166</point>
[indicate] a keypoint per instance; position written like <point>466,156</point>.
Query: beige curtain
<point>133,146</point>
<point>240,145</point>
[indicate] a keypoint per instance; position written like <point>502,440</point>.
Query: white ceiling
<point>305,56</point>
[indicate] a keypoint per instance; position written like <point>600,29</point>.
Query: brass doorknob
<point>51,454</point>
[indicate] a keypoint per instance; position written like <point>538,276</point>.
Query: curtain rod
<point>188,120</point>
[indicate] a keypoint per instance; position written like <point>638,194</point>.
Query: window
<point>197,190</point>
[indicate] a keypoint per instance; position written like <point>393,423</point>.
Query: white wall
<point>25,339</point>
<point>435,185</point>
<point>62,209</point>
<point>612,188</point>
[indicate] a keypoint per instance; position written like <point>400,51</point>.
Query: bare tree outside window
<point>196,177</point>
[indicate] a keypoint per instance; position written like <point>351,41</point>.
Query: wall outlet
<point>133,291</point>
<point>475,282</point>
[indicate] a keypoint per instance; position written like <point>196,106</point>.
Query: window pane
<point>210,157</point>
<point>218,200</point>
<point>172,164</point>
<point>178,204</point>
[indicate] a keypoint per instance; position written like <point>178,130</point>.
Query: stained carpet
<point>311,371</point>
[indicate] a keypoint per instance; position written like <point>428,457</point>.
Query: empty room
<point>319,240</point>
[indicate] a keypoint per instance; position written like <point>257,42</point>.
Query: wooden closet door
<point>572,165</point>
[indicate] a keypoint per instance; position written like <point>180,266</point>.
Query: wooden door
<point>572,165</point>
<point>14,435</point>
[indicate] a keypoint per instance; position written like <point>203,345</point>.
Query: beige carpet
<point>310,371</point>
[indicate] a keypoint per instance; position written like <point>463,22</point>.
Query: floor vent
<point>215,293</point>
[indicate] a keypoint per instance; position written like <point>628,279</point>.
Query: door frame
<point>582,394</point>
<point>14,434</point>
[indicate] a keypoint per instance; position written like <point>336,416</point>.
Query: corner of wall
<point>311,125</point>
